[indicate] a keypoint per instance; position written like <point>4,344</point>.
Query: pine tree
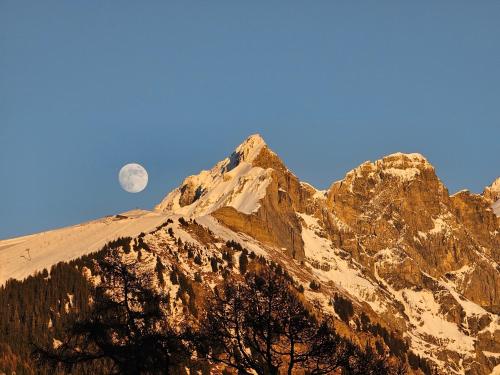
<point>243,262</point>
<point>127,326</point>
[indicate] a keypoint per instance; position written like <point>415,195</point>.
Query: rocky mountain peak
<point>404,161</point>
<point>234,182</point>
<point>251,191</point>
<point>403,167</point>
<point>250,148</point>
<point>389,175</point>
<point>492,192</point>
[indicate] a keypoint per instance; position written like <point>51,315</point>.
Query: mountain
<point>388,235</point>
<point>22,256</point>
<point>251,191</point>
<point>420,265</point>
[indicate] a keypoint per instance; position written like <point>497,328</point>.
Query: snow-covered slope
<point>22,256</point>
<point>492,193</point>
<point>429,330</point>
<point>232,182</point>
<point>496,207</point>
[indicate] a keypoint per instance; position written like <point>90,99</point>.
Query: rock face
<point>399,203</point>
<point>492,194</point>
<point>233,182</point>
<point>252,192</point>
<point>388,235</point>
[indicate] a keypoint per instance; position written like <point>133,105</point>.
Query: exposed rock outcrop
<point>398,202</point>
<point>252,192</point>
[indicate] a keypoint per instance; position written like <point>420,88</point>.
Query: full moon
<point>133,178</point>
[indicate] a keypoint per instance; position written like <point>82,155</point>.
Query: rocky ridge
<point>492,194</point>
<point>388,236</point>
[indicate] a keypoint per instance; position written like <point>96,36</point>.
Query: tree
<point>160,269</point>
<point>343,307</point>
<point>243,262</point>
<point>314,285</point>
<point>197,260</point>
<point>127,326</point>
<point>261,325</point>
<point>214,264</point>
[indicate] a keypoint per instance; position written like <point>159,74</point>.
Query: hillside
<point>22,256</point>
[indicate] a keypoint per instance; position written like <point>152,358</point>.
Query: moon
<point>133,178</point>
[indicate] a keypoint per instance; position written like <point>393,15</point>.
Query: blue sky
<point>87,86</point>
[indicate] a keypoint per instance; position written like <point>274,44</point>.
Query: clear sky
<point>87,86</point>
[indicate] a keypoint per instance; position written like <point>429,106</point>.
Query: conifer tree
<point>127,326</point>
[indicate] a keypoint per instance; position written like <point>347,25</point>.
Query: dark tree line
<point>38,309</point>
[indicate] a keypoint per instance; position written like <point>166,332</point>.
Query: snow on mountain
<point>495,186</point>
<point>492,194</point>
<point>22,256</point>
<point>496,370</point>
<point>496,207</point>
<point>431,332</point>
<point>329,266</point>
<point>232,182</point>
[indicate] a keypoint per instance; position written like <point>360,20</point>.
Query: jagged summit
<point>233,182</point>
<point>415,156</point>
<point>492,192</point>
<point>398,166</point>
<point>251,191</point>
<point>241,180</point>
<point>250,148</point>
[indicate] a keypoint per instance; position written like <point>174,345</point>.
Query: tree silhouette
<point>127,327</point>
<point>261,325</point>
<point>243,263</point>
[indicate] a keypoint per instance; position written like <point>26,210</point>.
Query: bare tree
<point>262,325</point>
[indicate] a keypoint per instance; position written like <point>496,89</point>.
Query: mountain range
<point>419,263</point>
